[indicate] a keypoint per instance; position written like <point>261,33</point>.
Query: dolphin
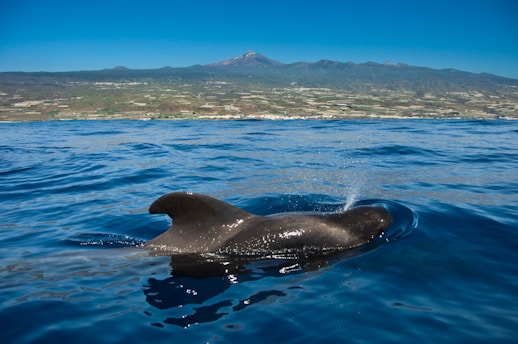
<point>205,225</point>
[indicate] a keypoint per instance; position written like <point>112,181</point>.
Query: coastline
<point>254,118</point>
<point>206,107</point>
<point>218,100</point>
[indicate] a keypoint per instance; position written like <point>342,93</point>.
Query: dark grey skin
<point>204,225</point>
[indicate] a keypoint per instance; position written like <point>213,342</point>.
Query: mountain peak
<point>249,58</point>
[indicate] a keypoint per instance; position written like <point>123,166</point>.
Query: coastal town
<point>225,100</point>
<point>253,86</point>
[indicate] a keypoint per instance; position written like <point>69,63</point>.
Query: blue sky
<point>56,35</point>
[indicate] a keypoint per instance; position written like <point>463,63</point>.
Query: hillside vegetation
<point>325,89</point>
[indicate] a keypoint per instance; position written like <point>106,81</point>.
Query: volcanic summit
<point>250,58</point>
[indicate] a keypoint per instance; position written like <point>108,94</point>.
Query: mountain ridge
<point>254,59</point>
<point>252,68</point>
<point>249,58</point>
<point>251,86</point>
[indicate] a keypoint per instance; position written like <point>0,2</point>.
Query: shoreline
<point>266,118</point>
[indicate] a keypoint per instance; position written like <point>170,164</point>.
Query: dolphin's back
<point>202,224</point>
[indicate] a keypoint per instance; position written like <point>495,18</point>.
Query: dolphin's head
<point>364,222</point>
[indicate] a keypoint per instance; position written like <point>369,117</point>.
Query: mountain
<point>349,76</point>
<point>255,84</point>
<point>255,70</point>
<point>120,68</point>
<point>250,58</point>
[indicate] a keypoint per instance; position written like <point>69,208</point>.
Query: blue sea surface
<point>74,198</point>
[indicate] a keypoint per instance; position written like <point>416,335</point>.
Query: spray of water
<point>353,177</point>
<point>352,197</point>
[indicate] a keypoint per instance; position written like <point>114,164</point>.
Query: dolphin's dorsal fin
<point>186,208</point>
<point>200,223</point>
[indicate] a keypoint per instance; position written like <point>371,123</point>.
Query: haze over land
<point>255,86</point>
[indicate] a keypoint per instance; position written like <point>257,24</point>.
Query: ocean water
<point>74,200</point>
